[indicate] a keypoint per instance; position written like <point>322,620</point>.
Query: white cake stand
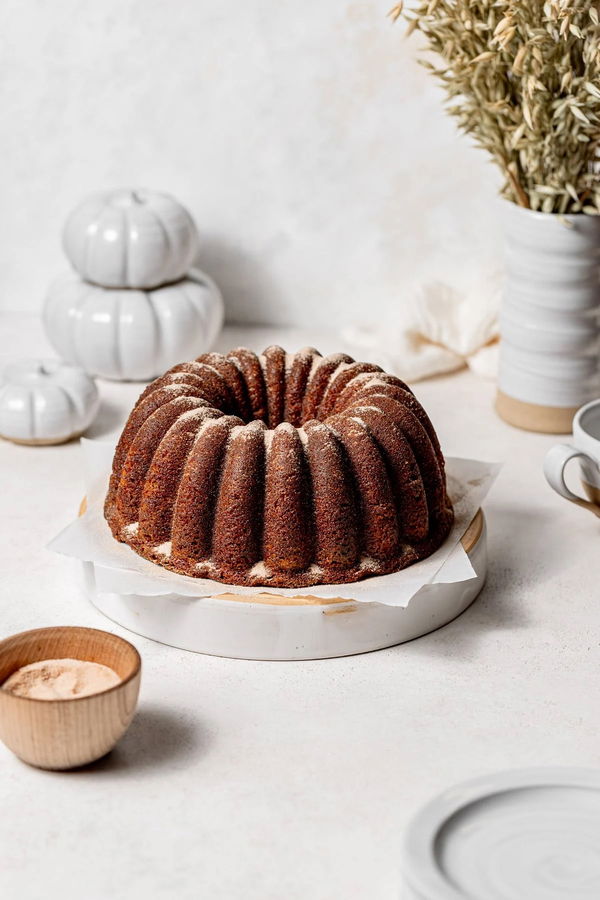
<point>271,627</point>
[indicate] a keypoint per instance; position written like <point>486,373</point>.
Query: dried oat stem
<point>522,77</point>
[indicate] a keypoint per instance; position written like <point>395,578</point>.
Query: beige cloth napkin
<point>445,326</point>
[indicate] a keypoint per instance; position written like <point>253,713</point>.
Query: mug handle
<point>554,470</point>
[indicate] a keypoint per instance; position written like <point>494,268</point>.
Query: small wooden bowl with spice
<point>66,694</point>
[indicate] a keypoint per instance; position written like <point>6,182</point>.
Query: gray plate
<point>530,834</point>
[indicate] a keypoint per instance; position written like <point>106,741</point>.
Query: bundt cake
<point>281,470</point>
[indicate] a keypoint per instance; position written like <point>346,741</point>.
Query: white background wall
<point>304,138</point>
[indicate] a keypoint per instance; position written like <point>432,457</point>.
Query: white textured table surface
<point>295,780</point>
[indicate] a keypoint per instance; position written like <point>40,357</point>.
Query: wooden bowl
<point>63,734</point>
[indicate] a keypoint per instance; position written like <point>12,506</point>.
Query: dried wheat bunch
<point>523,79</point>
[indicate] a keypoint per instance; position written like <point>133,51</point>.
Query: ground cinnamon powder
<point>60,679</point>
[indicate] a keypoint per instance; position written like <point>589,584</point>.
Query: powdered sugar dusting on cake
<point>317,359</point>
<point>320,427</point>
<point>235,361</point>
<point>337,371</point>
<point>368,564</point>
<point>195,415</point>
<point>287,427</point>
<point>176,388</point>
<point>164,549</point>
<point>260,570</point>
<point>370,377</point>
<point>367,376</point>
<point>213,369</point>
<point>366,408</point>
<point>208,422</point>
<point>211,422</point>
<point>206,568</point>
<point>247,432</point>
<point>309,354</point>
<point>354,380</point>
<point>198,366</point>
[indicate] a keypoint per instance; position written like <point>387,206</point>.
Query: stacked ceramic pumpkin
<point>132,307</point>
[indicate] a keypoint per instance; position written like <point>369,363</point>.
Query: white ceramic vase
<point>550,319</point>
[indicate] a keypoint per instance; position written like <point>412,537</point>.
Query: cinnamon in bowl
<point>66,694</point>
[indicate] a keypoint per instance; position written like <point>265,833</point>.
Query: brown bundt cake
<point>279,470</point>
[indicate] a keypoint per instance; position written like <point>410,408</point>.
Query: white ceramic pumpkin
<point>45,402</point>
<point>130,239</point>
<point>132,335</point>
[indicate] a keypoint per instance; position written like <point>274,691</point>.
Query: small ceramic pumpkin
<point>130,239</point>
<point>132,335</point>
<point>45,402</point>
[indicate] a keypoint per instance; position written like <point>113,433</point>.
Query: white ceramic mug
<point>586,448</point>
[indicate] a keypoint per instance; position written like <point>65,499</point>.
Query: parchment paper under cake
<point>120,570</point>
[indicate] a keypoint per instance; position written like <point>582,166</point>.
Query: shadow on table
<point>110,419</point>
<point>157,738</point>
<point>502,604</point>
<point>242,278</point>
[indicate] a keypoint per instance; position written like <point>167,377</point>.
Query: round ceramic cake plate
<point>531,834</point>
<point>269,626</point>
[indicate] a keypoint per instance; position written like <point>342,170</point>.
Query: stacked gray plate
<point>532,834</point>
